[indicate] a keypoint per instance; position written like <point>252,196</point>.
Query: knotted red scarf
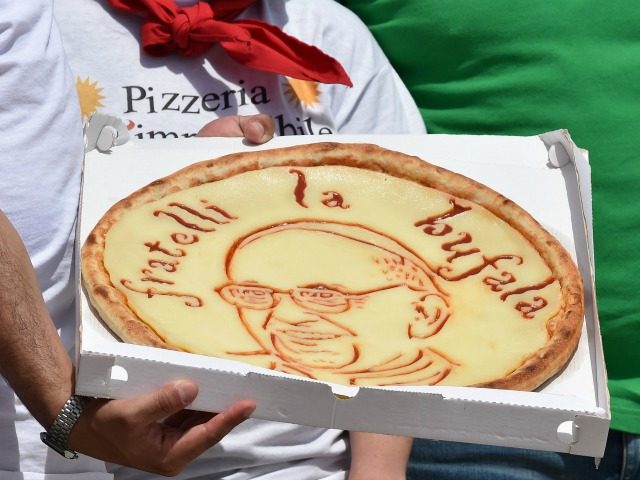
<point>192,30</point>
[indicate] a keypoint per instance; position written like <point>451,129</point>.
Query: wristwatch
<point>57,437</point>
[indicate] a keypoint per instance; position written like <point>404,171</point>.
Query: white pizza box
<point>546,174</point>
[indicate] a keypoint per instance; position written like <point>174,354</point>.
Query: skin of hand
<point>378,457</point>
<point>154,431</point>
<point>255,129</point>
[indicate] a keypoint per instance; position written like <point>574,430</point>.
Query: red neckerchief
<point>192,30</point>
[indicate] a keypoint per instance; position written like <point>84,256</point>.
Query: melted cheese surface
<point>336,273</point>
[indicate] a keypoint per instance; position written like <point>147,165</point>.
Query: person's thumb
<point>163,402</point>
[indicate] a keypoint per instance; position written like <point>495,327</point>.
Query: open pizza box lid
<point>547,175</point>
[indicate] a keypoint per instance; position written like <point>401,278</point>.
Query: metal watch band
<point>57,436</point>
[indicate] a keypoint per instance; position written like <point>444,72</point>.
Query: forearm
<point>378,457</point>
<point>32,358</point>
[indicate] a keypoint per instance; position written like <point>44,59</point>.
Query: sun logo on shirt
<point>302,92</point>
<point>90,96</point>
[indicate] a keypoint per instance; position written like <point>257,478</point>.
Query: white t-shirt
<point>41,152</point>
<point>175,96</point>
<point>40,146</point>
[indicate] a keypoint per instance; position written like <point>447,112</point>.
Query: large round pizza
<point>345,263</point>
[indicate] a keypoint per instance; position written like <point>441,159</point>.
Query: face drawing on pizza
<point>344,263</point>
<point>316,316</point>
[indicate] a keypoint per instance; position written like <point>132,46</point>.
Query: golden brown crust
<point>564,329</point>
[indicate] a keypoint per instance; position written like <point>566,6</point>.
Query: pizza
<point>343,263</point>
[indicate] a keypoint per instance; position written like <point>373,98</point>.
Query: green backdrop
<point>514,67</point>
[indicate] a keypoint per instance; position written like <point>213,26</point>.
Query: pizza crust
<point>564,329</point>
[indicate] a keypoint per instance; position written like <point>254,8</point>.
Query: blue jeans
<point>437,460</point>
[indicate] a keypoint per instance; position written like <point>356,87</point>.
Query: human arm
<point>378,457</point>
<point>32,358</point>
